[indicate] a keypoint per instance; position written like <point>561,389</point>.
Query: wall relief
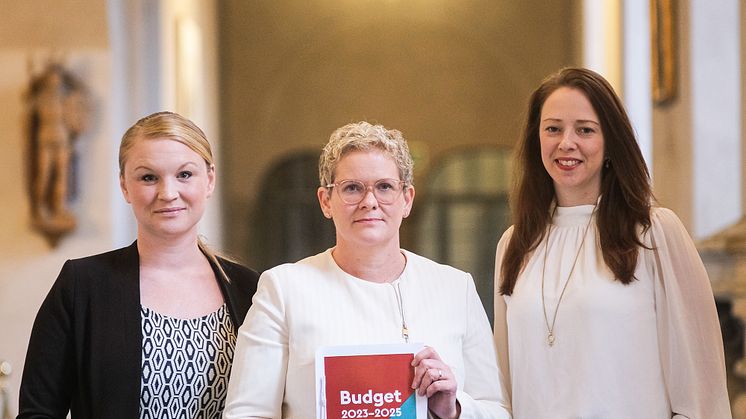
<point>57,114</point>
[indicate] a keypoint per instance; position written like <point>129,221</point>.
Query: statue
<point>58,114</point>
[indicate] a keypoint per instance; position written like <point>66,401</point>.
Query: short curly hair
<point>365,136</point>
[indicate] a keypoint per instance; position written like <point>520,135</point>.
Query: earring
<point>607,162</point>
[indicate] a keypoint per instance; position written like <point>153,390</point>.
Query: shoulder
<point>439,279</point>
<point>665,221</point>
<point>237,270</point>
<point>118,260</point>
<point>668,233</point>
<point>320,261</point>
<point>111,257</point>
<point>307,268</point>
<point>502,244</point>
<point>505,238</point>
<point>97,273</point>
<point>239,274</point>
<point>663,216</point>
<point>422,264</point>
<point>289,281</point>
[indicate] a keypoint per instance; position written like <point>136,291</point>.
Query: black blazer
<point>85,351</point>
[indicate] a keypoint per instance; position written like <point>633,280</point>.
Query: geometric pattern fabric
<point>186,364</point>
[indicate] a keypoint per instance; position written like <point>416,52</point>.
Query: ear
<point>123,187</point>
<point>210,180</point>
<point>324,194</point>
<point>408,200</point>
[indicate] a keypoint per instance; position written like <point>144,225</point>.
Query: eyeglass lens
<point>385,190</point>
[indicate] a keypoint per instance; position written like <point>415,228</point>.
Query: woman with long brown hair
<point>603,308</point>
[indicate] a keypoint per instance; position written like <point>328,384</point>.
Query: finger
<point>441,386</point>
<point>425,353</point>
<point>429,376</point>
<point>436,381</point>
<point>420,372</point>
<point>435,374</point>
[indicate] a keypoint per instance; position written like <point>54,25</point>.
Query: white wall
<point>716,114</point>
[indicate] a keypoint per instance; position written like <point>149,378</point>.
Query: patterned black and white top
<point>185,365</point>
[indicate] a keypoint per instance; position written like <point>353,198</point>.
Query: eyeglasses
<point>352,192</point>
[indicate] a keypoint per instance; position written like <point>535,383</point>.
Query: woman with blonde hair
<point>365,290</point>
<point>147,330</point>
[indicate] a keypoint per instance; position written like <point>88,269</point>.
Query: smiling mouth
<point>568,164</point>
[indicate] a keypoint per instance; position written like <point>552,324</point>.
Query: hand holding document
<point>367,381</point>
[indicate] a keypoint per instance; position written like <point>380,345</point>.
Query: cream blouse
<point>301,306</point>
<point>650,349</point>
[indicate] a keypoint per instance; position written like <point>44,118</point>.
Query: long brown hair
<point>625,200</point>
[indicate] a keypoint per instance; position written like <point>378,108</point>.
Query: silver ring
<point>440,374</point>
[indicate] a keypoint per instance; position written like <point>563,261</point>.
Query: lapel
<point>127,284</point>
<point>230,294</point>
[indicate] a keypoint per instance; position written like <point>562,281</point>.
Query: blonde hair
<point>365,136</point>
<point>168,125</point>
<point>172,126</point>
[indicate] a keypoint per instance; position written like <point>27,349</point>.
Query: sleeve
<point>49,375</point>
<point>691,345</point>
<point>257,382</point>
<point>483,395</point>
<point>501,321</point>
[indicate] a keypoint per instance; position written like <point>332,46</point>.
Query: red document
<point>371,381</point>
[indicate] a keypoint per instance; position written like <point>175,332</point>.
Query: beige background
<point>447,73</point>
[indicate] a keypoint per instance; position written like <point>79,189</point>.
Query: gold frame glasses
<point>353,191</point>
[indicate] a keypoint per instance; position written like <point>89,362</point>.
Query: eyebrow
<point>183,166</point>
<point>582,121</point>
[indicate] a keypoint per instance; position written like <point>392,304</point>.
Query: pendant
<point>550,339</point>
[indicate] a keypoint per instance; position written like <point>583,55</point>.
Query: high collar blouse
<point>650,349</point>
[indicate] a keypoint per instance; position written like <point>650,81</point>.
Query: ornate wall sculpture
<point>57,114</point>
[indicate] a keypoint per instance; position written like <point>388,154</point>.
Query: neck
<point>370,265</point>
<point>565,199</point>
<point>158,251</point>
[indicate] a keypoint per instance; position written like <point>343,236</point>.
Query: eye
<point>551,129</point>
<point>385,185</point>
<point>586,130</point>
<point>184,174</point>
<point>351,187</point>
<point>149,178</point>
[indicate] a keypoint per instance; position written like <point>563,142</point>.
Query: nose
<point>369,199</point>
<point>568,141</point>
<point>167,191</point>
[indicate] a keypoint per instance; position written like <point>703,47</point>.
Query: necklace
<point>550,327</point>
<point>400,303</point>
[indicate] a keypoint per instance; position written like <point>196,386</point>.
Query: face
<point>167,185</point>
<point>572,146</point>
<point>368,223</point>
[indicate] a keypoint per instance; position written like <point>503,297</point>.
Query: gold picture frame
<point>663,49</point>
